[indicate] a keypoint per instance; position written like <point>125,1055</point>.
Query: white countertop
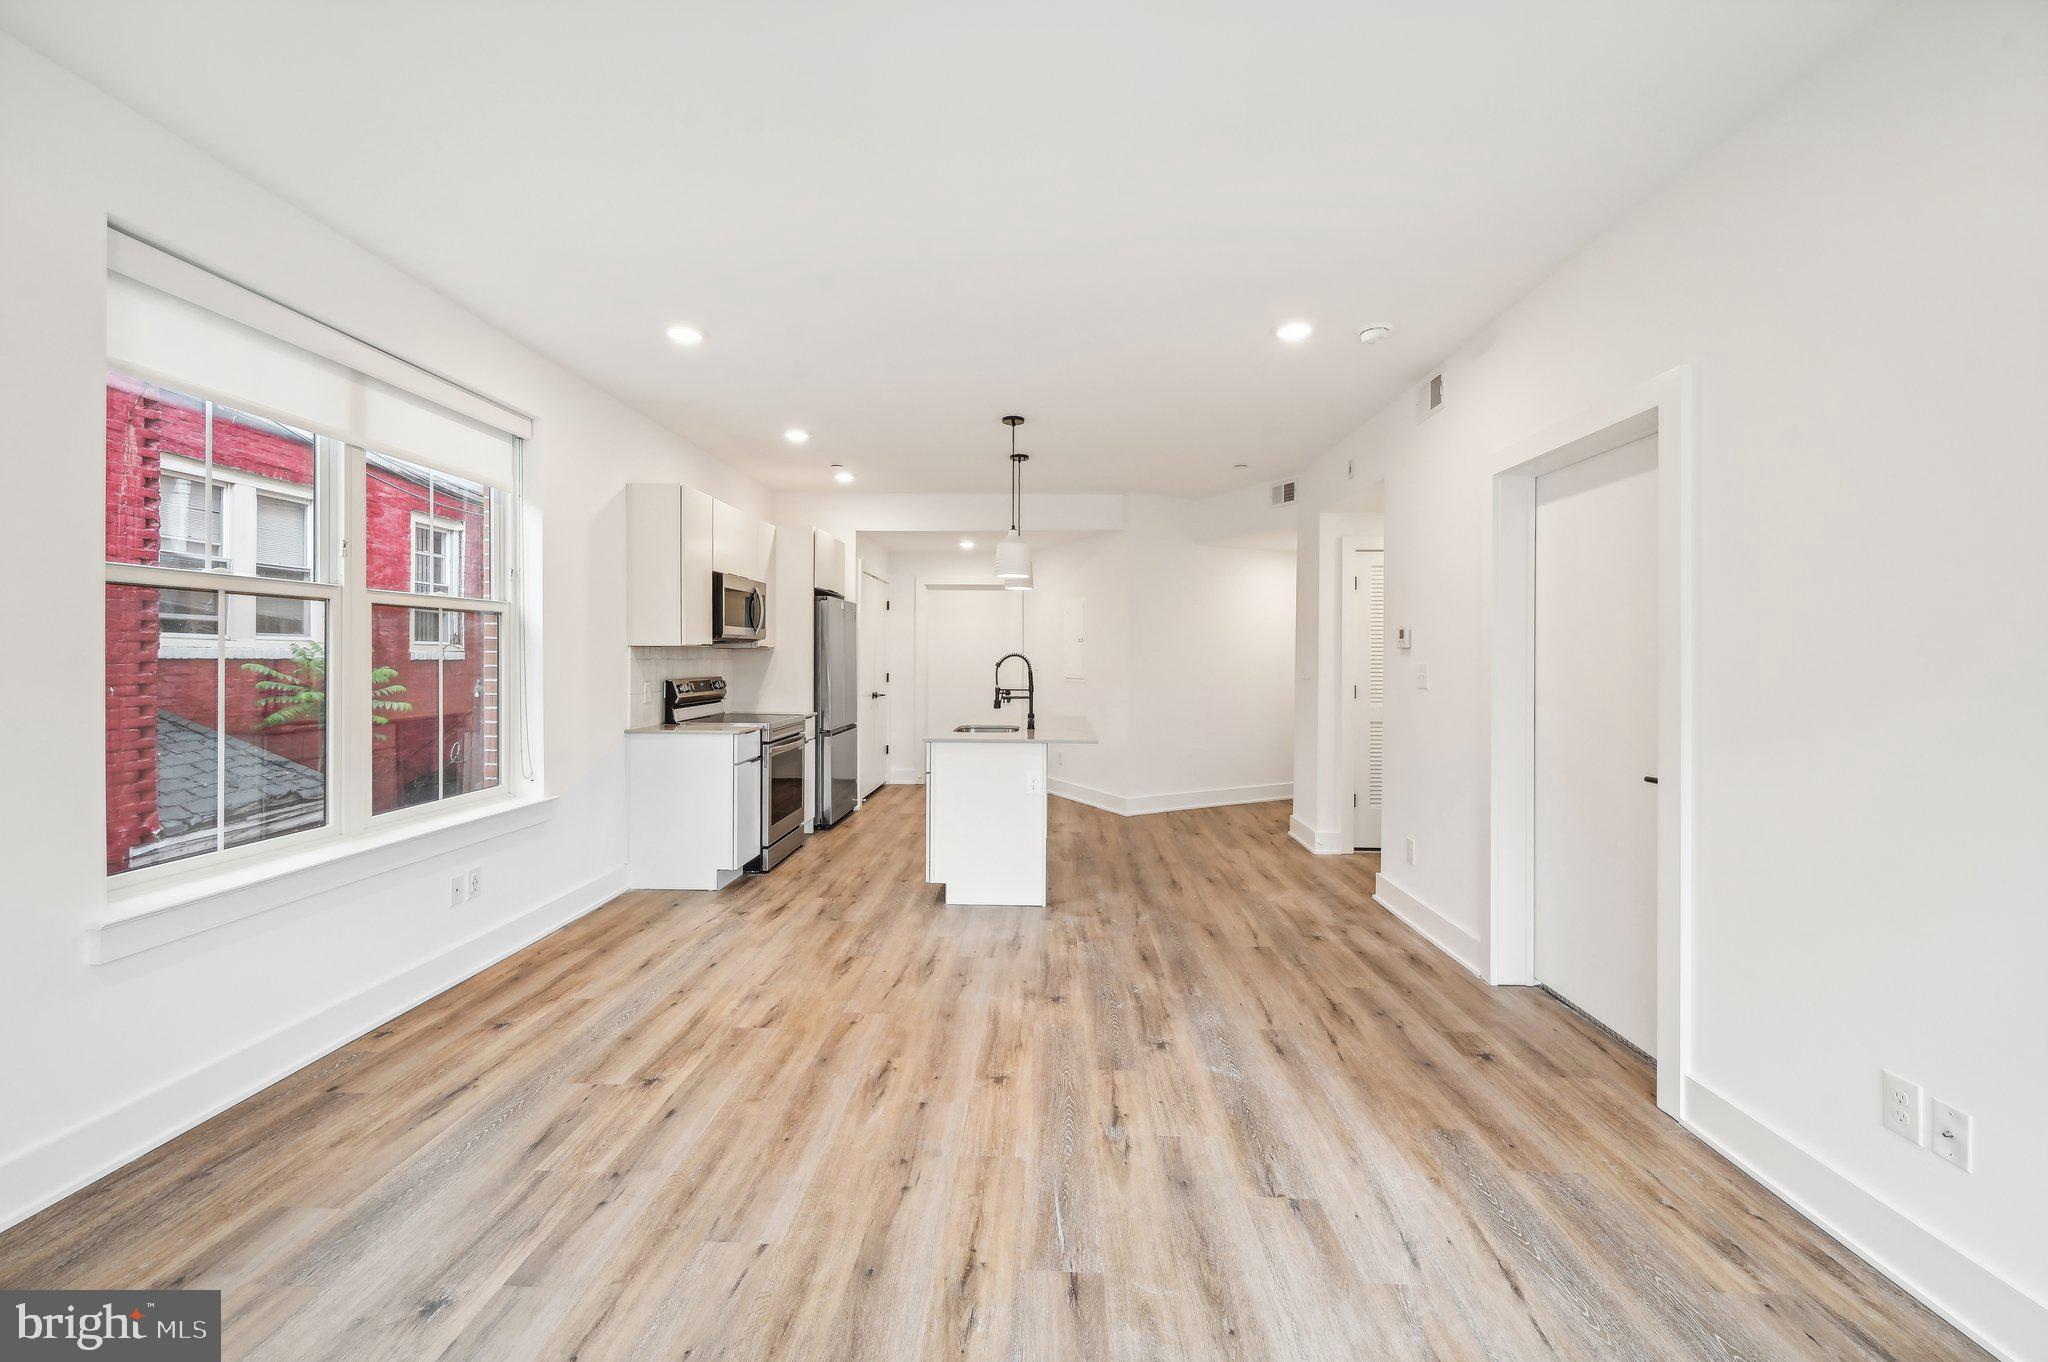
<point>686,730</point>
<point>1054,728</point>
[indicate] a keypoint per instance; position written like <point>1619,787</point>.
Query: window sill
<point>143,919</point>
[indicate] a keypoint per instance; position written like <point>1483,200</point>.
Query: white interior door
<point>1368,625</point>
<point>1596,737</point>
<point>961,631</point>
<point>873,679</point>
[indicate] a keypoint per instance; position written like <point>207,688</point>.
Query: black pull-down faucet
<point>1030,691</point>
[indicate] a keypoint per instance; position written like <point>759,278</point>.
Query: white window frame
<point>257,496</point>
<point>240,491</point>
<point>339,583</point>
<point>504,513</point>
<point>440,645</point>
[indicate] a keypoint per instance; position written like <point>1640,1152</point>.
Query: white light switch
<point>1951,1134</point>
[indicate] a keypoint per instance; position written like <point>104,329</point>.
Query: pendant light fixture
<point>1013,555</point>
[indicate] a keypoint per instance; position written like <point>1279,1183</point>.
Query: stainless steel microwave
<point>739,609</point>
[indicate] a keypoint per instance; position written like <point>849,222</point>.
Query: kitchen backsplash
<point>744,669</point>
<point>651,666</point>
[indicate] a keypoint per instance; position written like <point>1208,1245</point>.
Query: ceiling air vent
<point>1283,492</point>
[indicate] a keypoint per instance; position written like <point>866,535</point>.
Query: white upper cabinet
<point>741,544</point>
<point>676,537</point>
<point>668,566</point>
<point>828,564</point>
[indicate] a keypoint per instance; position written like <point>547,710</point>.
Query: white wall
<point>1858,277</point>
<point>104,1061</point>
<point>1207,632</point>
<point>1186,660</point>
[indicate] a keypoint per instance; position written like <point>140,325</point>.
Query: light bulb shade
<point>1013,559</point>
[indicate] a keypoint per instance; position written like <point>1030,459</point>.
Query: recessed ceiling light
<point>796,435</point>
<point>1373,335</point>
<point>685,335</point>
<point>967,543</point>
<point>1294,333</point>
<point>839,474</point>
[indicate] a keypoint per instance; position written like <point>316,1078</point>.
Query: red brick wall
<point>131,684</point>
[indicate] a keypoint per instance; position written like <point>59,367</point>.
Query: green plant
<point>299,693</point>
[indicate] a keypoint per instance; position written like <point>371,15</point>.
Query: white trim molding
<point>1460,943</point>
<point>1667,407</point>
<point>45,1174</point>
<point>1995,1313</point>
<point>1321,843</point>
<point>1133,805</point>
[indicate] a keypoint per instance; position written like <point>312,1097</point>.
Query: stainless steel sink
<point>985,728</point>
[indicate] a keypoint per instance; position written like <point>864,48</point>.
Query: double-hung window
<point>309,617</point>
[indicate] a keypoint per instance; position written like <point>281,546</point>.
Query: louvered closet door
<point>1370,576</point>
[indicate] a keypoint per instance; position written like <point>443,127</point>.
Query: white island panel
<point>984,810</point>
<point>985,822</point>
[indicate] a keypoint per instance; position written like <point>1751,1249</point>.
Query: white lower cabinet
<point>693,808</point>
<point>746,803</point>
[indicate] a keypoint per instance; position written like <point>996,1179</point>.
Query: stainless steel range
<point>785,757</point>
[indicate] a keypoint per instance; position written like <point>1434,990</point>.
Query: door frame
<point>1352,655</point>
<point>1666,406</point>
<point>870,617</point>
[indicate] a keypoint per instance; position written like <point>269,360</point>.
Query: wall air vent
<point>1283,492</point>
<point>1430,396</point>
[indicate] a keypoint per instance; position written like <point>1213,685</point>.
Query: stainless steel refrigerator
<point>838,704</point>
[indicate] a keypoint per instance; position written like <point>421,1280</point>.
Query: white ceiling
<point>896,222</point>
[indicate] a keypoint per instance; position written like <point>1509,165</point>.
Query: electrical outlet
<point>454,890</point>
<point>1951,1130</point>
<point>476,881</point>
<point>1422,676</point>
<point>1032,783</point>
<point>1411,851</point>
<point>1902,1108</point>
<point>1059,759</point>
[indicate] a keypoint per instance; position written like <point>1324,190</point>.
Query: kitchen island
<point>984,808</point>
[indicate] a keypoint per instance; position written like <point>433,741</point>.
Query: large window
<point>229,629</point>
<point>308,604</point>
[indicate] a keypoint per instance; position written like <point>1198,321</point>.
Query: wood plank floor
<point>1214,1104</point>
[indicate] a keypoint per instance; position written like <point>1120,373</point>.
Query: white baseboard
<point>1999,1316</point>
<point>1322,844</point>
<point>47,1173</point>
<point>1132,805</point>
<point>1460,943</point>
<point>905,775</point>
